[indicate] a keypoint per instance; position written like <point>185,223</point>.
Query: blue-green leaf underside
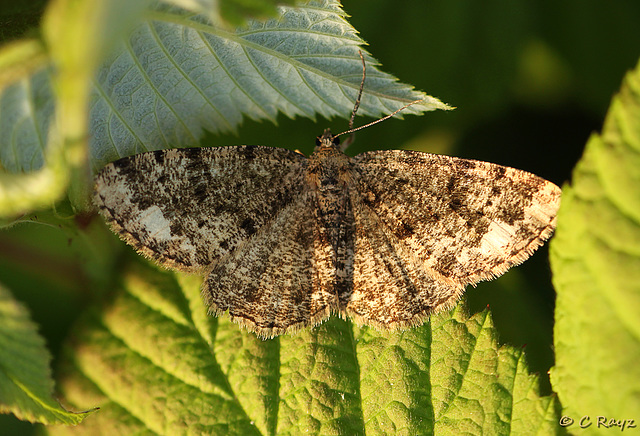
<point>178,75</point>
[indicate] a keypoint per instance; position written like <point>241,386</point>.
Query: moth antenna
<point>351,131</point>
<point>349,141</point>
<point>357,105</point>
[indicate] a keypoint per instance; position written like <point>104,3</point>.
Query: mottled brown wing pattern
<point>391,287</point>
<point>186,208</point>
<point>275,282</point>
<point>464,220</point>
<point>387,237</point>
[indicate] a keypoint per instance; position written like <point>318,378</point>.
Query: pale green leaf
<point>175,76</point>
<point>25,113</point>
<point>43,116</point>
<point>26,386</point>
<point>155,363</point>
<point>596,263</point>
<point>26,137</point>
<point>178,75</point>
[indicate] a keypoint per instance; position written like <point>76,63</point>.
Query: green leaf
<point>179,75</point>
<point>155,363</point>
<point>25,116</point>
<point>44,119</point>
<point>596,263</point>
<point>26,386</point>
<point>176,75</point>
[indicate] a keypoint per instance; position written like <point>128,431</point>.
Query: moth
<point>385,238</point>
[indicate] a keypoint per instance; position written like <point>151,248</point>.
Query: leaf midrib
<point>235,37</point>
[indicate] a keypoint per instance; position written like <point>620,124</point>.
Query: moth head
<point>327,140</point>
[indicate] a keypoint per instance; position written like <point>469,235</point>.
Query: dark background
<point>531,81</point>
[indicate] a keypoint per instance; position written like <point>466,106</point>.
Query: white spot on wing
<point>498,236</point>
<point>156,224</point>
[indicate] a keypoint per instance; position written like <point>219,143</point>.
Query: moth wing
<point>464,220</point>
<point>274,283</point>
<point>391,286</point>
<point>186,208</point>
